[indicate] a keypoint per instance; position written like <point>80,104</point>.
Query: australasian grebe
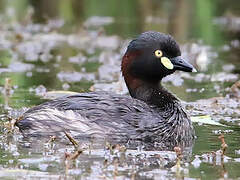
<point>151,114</point>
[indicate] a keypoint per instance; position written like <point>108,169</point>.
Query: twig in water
<point>52,139</point>
<point>10,125</point>
<point>224,146</point>
<point>116,163</point>
<point>75,143</point>
<point>73,156</point>
<point>69,157</point>
<point>7,86</point>
<point>179,156</point>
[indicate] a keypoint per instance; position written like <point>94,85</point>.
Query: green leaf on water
<point>205,120</point>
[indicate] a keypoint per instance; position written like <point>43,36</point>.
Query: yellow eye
<point>158,53</point>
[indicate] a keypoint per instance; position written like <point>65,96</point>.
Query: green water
<point>210,25</point>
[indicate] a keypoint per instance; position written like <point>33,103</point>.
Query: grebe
<point>151,114</point>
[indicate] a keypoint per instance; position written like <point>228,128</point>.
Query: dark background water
<point>210,27</point>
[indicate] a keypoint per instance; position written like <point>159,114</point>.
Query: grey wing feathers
<point>87,114</point>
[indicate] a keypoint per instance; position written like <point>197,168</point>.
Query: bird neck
<point>152,93</point>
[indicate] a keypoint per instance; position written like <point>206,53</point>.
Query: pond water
<point>77,46</point>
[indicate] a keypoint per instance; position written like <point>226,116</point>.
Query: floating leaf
<point>205,120</point>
